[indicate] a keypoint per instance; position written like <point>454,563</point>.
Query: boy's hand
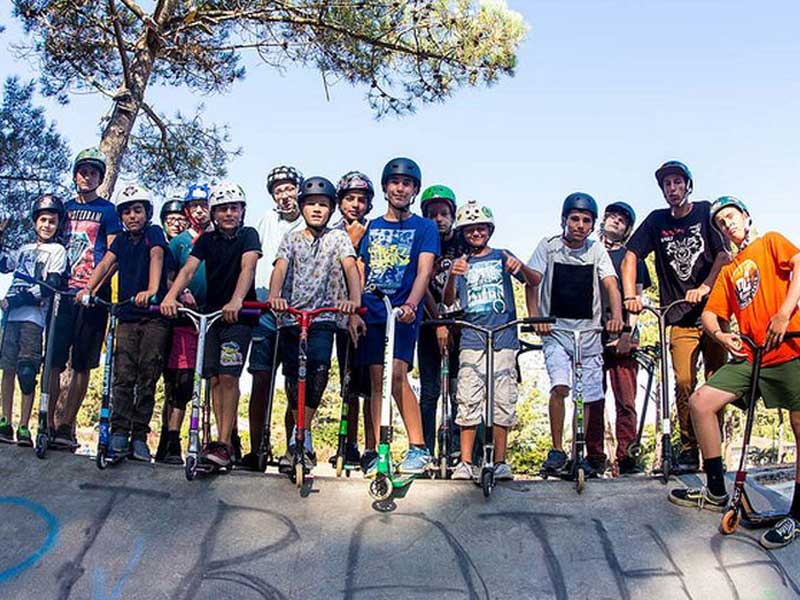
<point>696,295</point>
<point>188,300</point>
<point>355,231</point>
<point>614,325</point>
<point>775,330</point>
<point>82,296</point>
<point>142,299</point>
<point>169,307</point>
<point>543,328</point>
<point>357,328</point>
<point>513,264</point>
<point>460,266</point>
<point>443,337</point>
<point>732,343</point>
<point>230,312</point>
<point>622,345</point>
<point>407,314</point>
<point>347,307</point>
<point>633,305</point>
<point>278,304</point>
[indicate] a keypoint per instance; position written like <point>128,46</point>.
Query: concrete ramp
<point>138,531</point>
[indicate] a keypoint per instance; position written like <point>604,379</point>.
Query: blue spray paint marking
<point>47,545</point>
<point>99,575</point>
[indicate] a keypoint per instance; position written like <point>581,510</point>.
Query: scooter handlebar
<point>265,306</point>
<point>27,278</point>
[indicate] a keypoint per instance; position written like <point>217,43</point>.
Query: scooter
<point>739,508</point>
<point>646,356</point>
<point>338,459</point>
<point>265,456</point>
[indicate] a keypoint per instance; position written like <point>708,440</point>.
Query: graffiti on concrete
<point>50,535</point>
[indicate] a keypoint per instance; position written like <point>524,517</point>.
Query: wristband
<point>629,298</point>
<point>411,305</point>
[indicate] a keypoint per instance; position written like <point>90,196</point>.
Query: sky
<point>603,93</point>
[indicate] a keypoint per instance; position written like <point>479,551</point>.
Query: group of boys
<point>428,265</point>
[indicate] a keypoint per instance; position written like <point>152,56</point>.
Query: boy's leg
<point>9,381</point>
<point>505,407</point>
<point>685,349</point>
<point>153,335</point>
<point>556,411</point>
<point>407,403</point>
<point>376,399</point>
<point>429,363</point>
<point>228,405</point>
<point>623,385</point>
<point>126,367</point>
<point>788,529</point>
<point>470,395</point>
<point>594,423</point>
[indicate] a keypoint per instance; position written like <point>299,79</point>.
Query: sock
<point>419,446</point>
<point>309,443</point>
<point>795,510</point>
<point>715,477</point>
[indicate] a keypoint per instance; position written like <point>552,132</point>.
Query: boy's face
<point>353,205</point>
<point>198,210</point>
<point>175,224</point>
<point>285,195</point>
<point>46,225</point>
<point>439,211</point>
<point>317,210</point>
<point>579,225</point>
<point>615,225</point>
<point>134,216</point>
<point>732,223</point>
<point>228,216</point>
<point>400,190</point>
<point>477,236</point>
<point>674,189</point>
<point>87,178</point>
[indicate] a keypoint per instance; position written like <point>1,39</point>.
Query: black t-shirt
<point>223,258</point>
<point>642,278</point>
<point>133,266</point>
<point>685,251</point>
<point>451,250</point>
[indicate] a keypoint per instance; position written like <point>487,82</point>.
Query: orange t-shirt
<point>753,287</point>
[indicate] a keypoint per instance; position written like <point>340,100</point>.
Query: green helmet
<point>438,193</point>
<point>724,202</point>
<point>473,213</point>
<point>90,156</point>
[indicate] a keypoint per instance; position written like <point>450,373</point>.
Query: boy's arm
<point>421,281</point>
<point>353,280</point>
<point>276,280</point>
<point>614,324</point>
<point>230,312</point>
<point>780,320</point>
<point>98,275</point>
<point>730,341</point>
<point>169,305</point>
<point>697,294</point>
<point>632,300</point>
<point>154,276</point>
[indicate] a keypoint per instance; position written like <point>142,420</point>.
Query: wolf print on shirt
<point>683,247</point>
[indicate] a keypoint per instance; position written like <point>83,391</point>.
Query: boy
<point>760,288</point>
<point>91,225</point>
<point>179,372</point>
<point>315,268</point>
<point>283,185</point>
<point>397,251</point>
<point>25,309</point>
<point>173,219</point>
<point>482,283</point>
<point>572,268</point>
<point>141,337</point>
<point>230,253</point>
<point>689,254</point>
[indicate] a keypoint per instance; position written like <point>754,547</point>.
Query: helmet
<point>579,201</point>
<point>48,203</point>
<point>283,173</point>
<point>356,180</point>
<point>624,208</point>
<point>317,186</point>
<point>724,202</point>
<point>90,156</point>
<point>197,191</point>
<point>171,207</point>
<point>674,167</point>
<point>438,193</point>
<point>226,193</point>
<point>473,213</point>
<point>133,192</point>
<point>402,166</point>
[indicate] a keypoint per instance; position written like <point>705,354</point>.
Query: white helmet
<point>134,192</point>
<point>473,213</point>
<point>226,193</point>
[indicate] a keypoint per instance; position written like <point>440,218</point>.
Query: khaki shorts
<point>22,342</point>
<point>778,385</point>
<point>471,389</point>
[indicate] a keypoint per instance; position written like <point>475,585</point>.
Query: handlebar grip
<point>250,312</point>
<point>536,320</point>
<point>375,290</point>
<point>154,308</point>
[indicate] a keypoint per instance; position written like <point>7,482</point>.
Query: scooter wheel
<point>41,445</point>
<point>635,450</point>
<point>730,521</point>
<point>339,465</point>
<point>580,480</point>
<point>443,467</point>
<point>262,463</point>
<point>487,482</point>
<point>190,469</point>
<point>299,475</point>
<point>666,469</point>
<point>380,488</point>
<point>102,459</point>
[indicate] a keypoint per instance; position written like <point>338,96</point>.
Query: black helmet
<point>171,207</point>
<point>402,166</point>
<point>579,201</point>
<point>674,167</point>
<point>317,186</point>
<point>48,203</point>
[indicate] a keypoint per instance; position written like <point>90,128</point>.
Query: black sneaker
<point>782,534</point>
<point>556,459</point>
<point>249,462</point>
<point>598,464</point>
<point>63,437</point>
<point>629,466</point>
<point>236,443</point>
<point>688,461</point>
<point>367,459</point>
<point>173,455</point>
<point>163,441</point>
<point>352,457</point>
<point>698,498</point>
<point>6,431</point>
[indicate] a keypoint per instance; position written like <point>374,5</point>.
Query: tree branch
<point>163,129</point>
<point>126,67</point>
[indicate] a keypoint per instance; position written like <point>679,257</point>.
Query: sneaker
<point>598,464</point>
<point>63,437</point>
<point>502,472</point>
<point>464,472</point>
<point>117,446</point>
<point>311,459</point>
<point>285,461</point>
<point>369,463</point>
<point>249,462</point>
<point>588,468</point>
<point>698,498</point>
<point>416,461</point>
<point>173,455</point>
<point>688,461</point>
<point>236,442</point>
<point>219,454</point>
<point>556,459</point>
<point>352,456</point>
<point>629,466</point>
<point>6,431</point>
<point>783,534</point>
<point>163,441</point>
<point>140,451</point>
<point>24,437</point>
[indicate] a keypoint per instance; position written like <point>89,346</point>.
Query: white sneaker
<point>502,472</point>
<point>464,472</point>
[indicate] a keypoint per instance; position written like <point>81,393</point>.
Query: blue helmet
<point>402,166</point>
<point>674,167</point>
<point>579,201</point>
<point>197,191</point>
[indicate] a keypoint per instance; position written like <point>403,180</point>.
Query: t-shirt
<point>642,278</point>
<point>86,227</point>
<point>223,257</point>
<point>486,295</point>
<point>752,288</point>
<point>570,289</point>
<point>390,251</point>
<point>133,267</point>
<point>315,278</point>
<point>451,249</point>
<point>37,261</point>
<point>271,231</point>
<point>685,251</point>
<point>181,248</point>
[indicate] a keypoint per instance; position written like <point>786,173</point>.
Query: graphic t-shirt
<point>451,249</point>
<point>752,288</point>
<point>181,248</point>
<point>642,278</point>
<point>315,278</point>
<point>37,261</point>
<point>86,228</point>
<point>570,290</point>
<point>390,251</point>
<point>223,258</point>
<point>486,294</point>
<point>685,251</point>
<point>133,266</point>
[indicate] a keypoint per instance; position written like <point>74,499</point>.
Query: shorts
<point>559,367</point>
<point>359,374</point>
<point>226,349</point>
<point>318,352</point>
<point>79,336</point>
<point>262,353</point>
<point>183,352</point>
<point>471,387</point>
<point>22,342</point>
<point>370,347</point>
<point>778,385</point>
